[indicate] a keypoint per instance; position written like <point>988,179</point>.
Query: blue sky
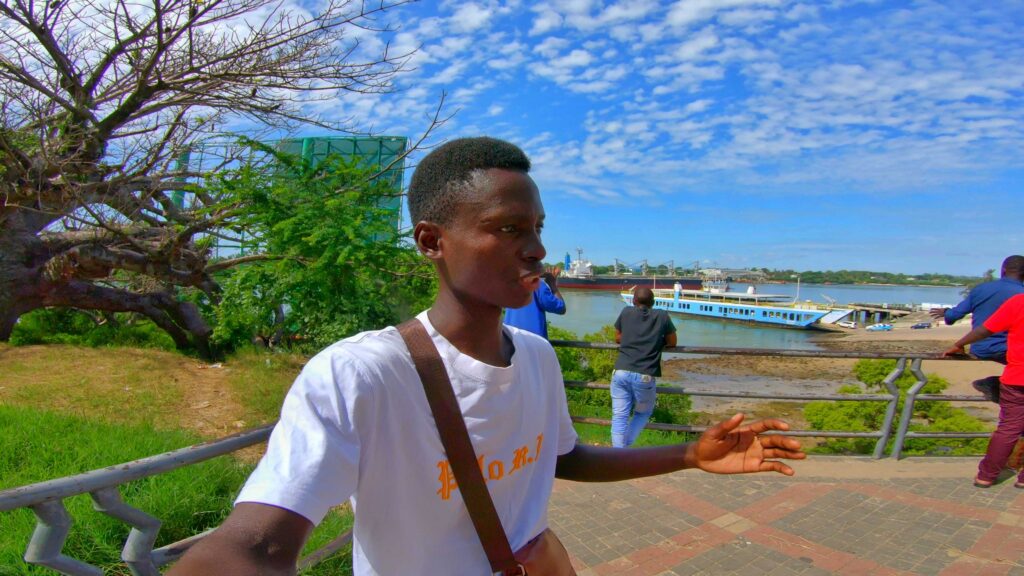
<point>809,135</point>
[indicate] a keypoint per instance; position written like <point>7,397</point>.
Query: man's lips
<point>531,279</point>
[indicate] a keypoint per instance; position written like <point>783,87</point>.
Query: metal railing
<point>891,398</point>
<point>53,523</point>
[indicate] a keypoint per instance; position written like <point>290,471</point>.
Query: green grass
<point>37,445</point>
<point>260,379</point>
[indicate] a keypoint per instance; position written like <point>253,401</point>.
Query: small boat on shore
<point>715,300</point>
<point>578,274</point>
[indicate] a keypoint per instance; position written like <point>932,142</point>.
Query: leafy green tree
<point>339,266</point>
<point>98,103</point>
<point>988,276</point>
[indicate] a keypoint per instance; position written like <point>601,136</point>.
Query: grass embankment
<point>66,410</point>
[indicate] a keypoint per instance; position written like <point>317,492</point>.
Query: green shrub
<point>584,364</point>
<point>596,366</point>
<point>70,326</point>
<point>931,416</point>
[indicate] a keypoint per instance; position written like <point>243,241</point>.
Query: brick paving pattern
<point>690,524</point>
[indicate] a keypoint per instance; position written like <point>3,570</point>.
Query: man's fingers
<point>765,425</point>
<point>773,453</point>
<point>779,441</point>
<point>725,427</point>
<point>779,467</point>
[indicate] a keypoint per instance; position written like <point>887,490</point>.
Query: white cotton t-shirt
<point>356,425</point>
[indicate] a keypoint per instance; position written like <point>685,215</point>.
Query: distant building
<point>382,152</point>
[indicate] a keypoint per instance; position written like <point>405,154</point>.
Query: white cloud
<point>698,106</point>
<point>689,12</point>
<point>551,46</point>
<point>573,59</point>
<point>627,11</point>
<point>745,17</point>
<point>451,73</point>
<point>698,44</point>
<point>546,21</point>
<point>470,17</point>
<point>495,110</point>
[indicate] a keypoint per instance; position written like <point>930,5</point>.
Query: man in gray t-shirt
<point>642,332</point>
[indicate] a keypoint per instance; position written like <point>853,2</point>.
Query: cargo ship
<point>578,274</point>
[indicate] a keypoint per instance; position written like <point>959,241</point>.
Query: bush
<point>583,364</point>
<point>596,366</point>
<point>870,416</point>
<point>70,326</point>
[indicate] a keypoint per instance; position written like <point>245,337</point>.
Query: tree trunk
<point>21,258</point>
<point>26,284</point>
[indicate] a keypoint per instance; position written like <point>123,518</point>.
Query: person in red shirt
<point>1009,318</point>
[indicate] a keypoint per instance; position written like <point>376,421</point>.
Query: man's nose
<point>534,248</point>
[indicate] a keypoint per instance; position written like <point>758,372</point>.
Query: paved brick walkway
<point>845,516</point>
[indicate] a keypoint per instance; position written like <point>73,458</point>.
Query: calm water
<point>589,311</point>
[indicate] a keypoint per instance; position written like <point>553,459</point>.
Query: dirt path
<point>122,385</point>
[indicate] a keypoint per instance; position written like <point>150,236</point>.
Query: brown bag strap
<point>457,446</point>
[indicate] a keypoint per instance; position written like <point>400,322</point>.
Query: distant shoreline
<point>861,284</point>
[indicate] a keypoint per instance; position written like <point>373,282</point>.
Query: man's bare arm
<point>726,448</point>
<point>254,540</point>
<point>978,333</point>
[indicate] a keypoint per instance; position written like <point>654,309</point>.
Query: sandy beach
<point>826,375</point>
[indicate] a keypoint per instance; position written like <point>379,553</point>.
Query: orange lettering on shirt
<point>447,479</point>
<point>496,470</point>
<point>489,469</point>
<point>519,459</point>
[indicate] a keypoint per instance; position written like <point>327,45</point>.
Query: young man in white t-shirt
<point>356,425</point>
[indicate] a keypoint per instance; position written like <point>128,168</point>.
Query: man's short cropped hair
<point>643,296</point>
<point>1013,264</point>
<point>444,177</point>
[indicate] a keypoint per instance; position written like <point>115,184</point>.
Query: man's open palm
<point>728,448</point>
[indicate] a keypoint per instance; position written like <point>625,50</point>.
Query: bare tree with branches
<point>98,98</point>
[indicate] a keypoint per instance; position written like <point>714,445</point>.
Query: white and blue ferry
<point>716,301</point>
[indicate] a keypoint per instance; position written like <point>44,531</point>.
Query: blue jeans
<point>631,393</point>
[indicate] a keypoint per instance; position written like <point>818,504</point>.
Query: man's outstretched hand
<point>728,448</point>
<point>954,351</point>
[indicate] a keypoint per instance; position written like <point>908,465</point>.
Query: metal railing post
<point>138,548</point>
<point>44,549</point>
<point>890,409</point>
<point>908,408</point>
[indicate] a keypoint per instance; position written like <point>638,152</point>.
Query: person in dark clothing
<point>982,301</point>
<point>642,332</point>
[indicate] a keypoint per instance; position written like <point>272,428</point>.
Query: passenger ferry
<point>715,300</point>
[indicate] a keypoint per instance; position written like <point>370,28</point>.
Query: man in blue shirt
<point>532,317</point>
<point>981,302</point>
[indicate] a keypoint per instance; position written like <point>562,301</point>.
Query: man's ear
<point>428,239</point>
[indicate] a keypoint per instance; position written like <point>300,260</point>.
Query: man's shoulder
<point>1011,287</point>
<point>999,285</point>
<point>365,350</point>
<point>531,343</point>
<point>1017,300</point>
<point>524,337</point>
